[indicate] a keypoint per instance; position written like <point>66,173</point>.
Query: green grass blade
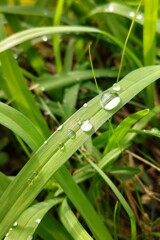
<point>72,224</point>
<point>63,80</point>
<point>122,129</point>
<point>29,220</point>
<point>56,40</point>
<point>120,198</point>
<point>21,126</point>
<point>38,32</point>
<point>51,156</point>
<point>14,83</point>
<point>149,42</point>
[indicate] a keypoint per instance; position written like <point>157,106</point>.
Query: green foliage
<point>57,149</point>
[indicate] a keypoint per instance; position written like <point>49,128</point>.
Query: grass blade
<point>49,158</point>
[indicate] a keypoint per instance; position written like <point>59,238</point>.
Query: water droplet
<point>71,134</point>
<point>10,229</point>
<point>45,142</point>
<point>79,121</point>
<point>29,181</point>
<point>42,89</point>
<point>38,220</point>
<point>60,128</point>
<point>116,87</point>
<point>110,8</point>
<point>61,146</point>
<point>30,237</point>
<point>139,16</point>
<point>86,126</point>
<point>15,224</point>
<point>154,130</point>
<point>45,13</point>
<point>131,14</point>
<point>44,38</point>
<point>85,105</point>
<point>109,101</point>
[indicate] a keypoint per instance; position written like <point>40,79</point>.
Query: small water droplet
<point>154,130</point>
<point>42,89</point>
<point>110,8</point>
<point>61,146</point>
<point>131,14</point>
<point>116,87</point>
<point>86,126</point>
<point>60,128</point>
<point>29,181</point>
<point>79,121</point>
<point>10,229</point>
<point>85,105</point>
<point>15,224</point>
<point>45,13</point>
<point>45,142</point>
<point>44,38</point>
<point>30,237</point>
<point>139,16</point>
<point>71,134</point>
<point>38,220</point>
<point>109,101</point>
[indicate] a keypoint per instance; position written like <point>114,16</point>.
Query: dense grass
<point>79,114</point>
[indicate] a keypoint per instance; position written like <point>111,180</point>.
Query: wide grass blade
<point>59,147</point>
<point>71,223</point>
<point>29,220</point>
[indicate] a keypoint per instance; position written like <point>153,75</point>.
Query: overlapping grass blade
<point>29,220</point>
<point>69,78</point>
<point>49,157</point>
<point>122,129</point>
<point>71,223</point>
<point>37,32</point>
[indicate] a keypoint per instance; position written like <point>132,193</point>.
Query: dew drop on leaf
<point>85,105</point>
<point>60,128</point>
<point>61,146</point>
<point>79,121</point>
<point>109,100</point>
<point>38,220</point>
<point>86,126</point>
<point>116,87</point>
<point>71,134</point>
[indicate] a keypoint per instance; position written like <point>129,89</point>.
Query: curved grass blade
<point>63,80</point>
<point>51,156</point>
<point>71,223</point>
<point>29,220</point>
<point>22,126</point>
<point>122,129</point>
<point>29,34</point>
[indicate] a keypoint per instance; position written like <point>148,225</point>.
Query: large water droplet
<point>86,126</point>
<point>109,101</point>
<point>116,87</point>
<point>61,146</point>
<point>60,128</point>
<point>71,134</point>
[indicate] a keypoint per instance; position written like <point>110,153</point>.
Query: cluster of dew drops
<point>109,100</point>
